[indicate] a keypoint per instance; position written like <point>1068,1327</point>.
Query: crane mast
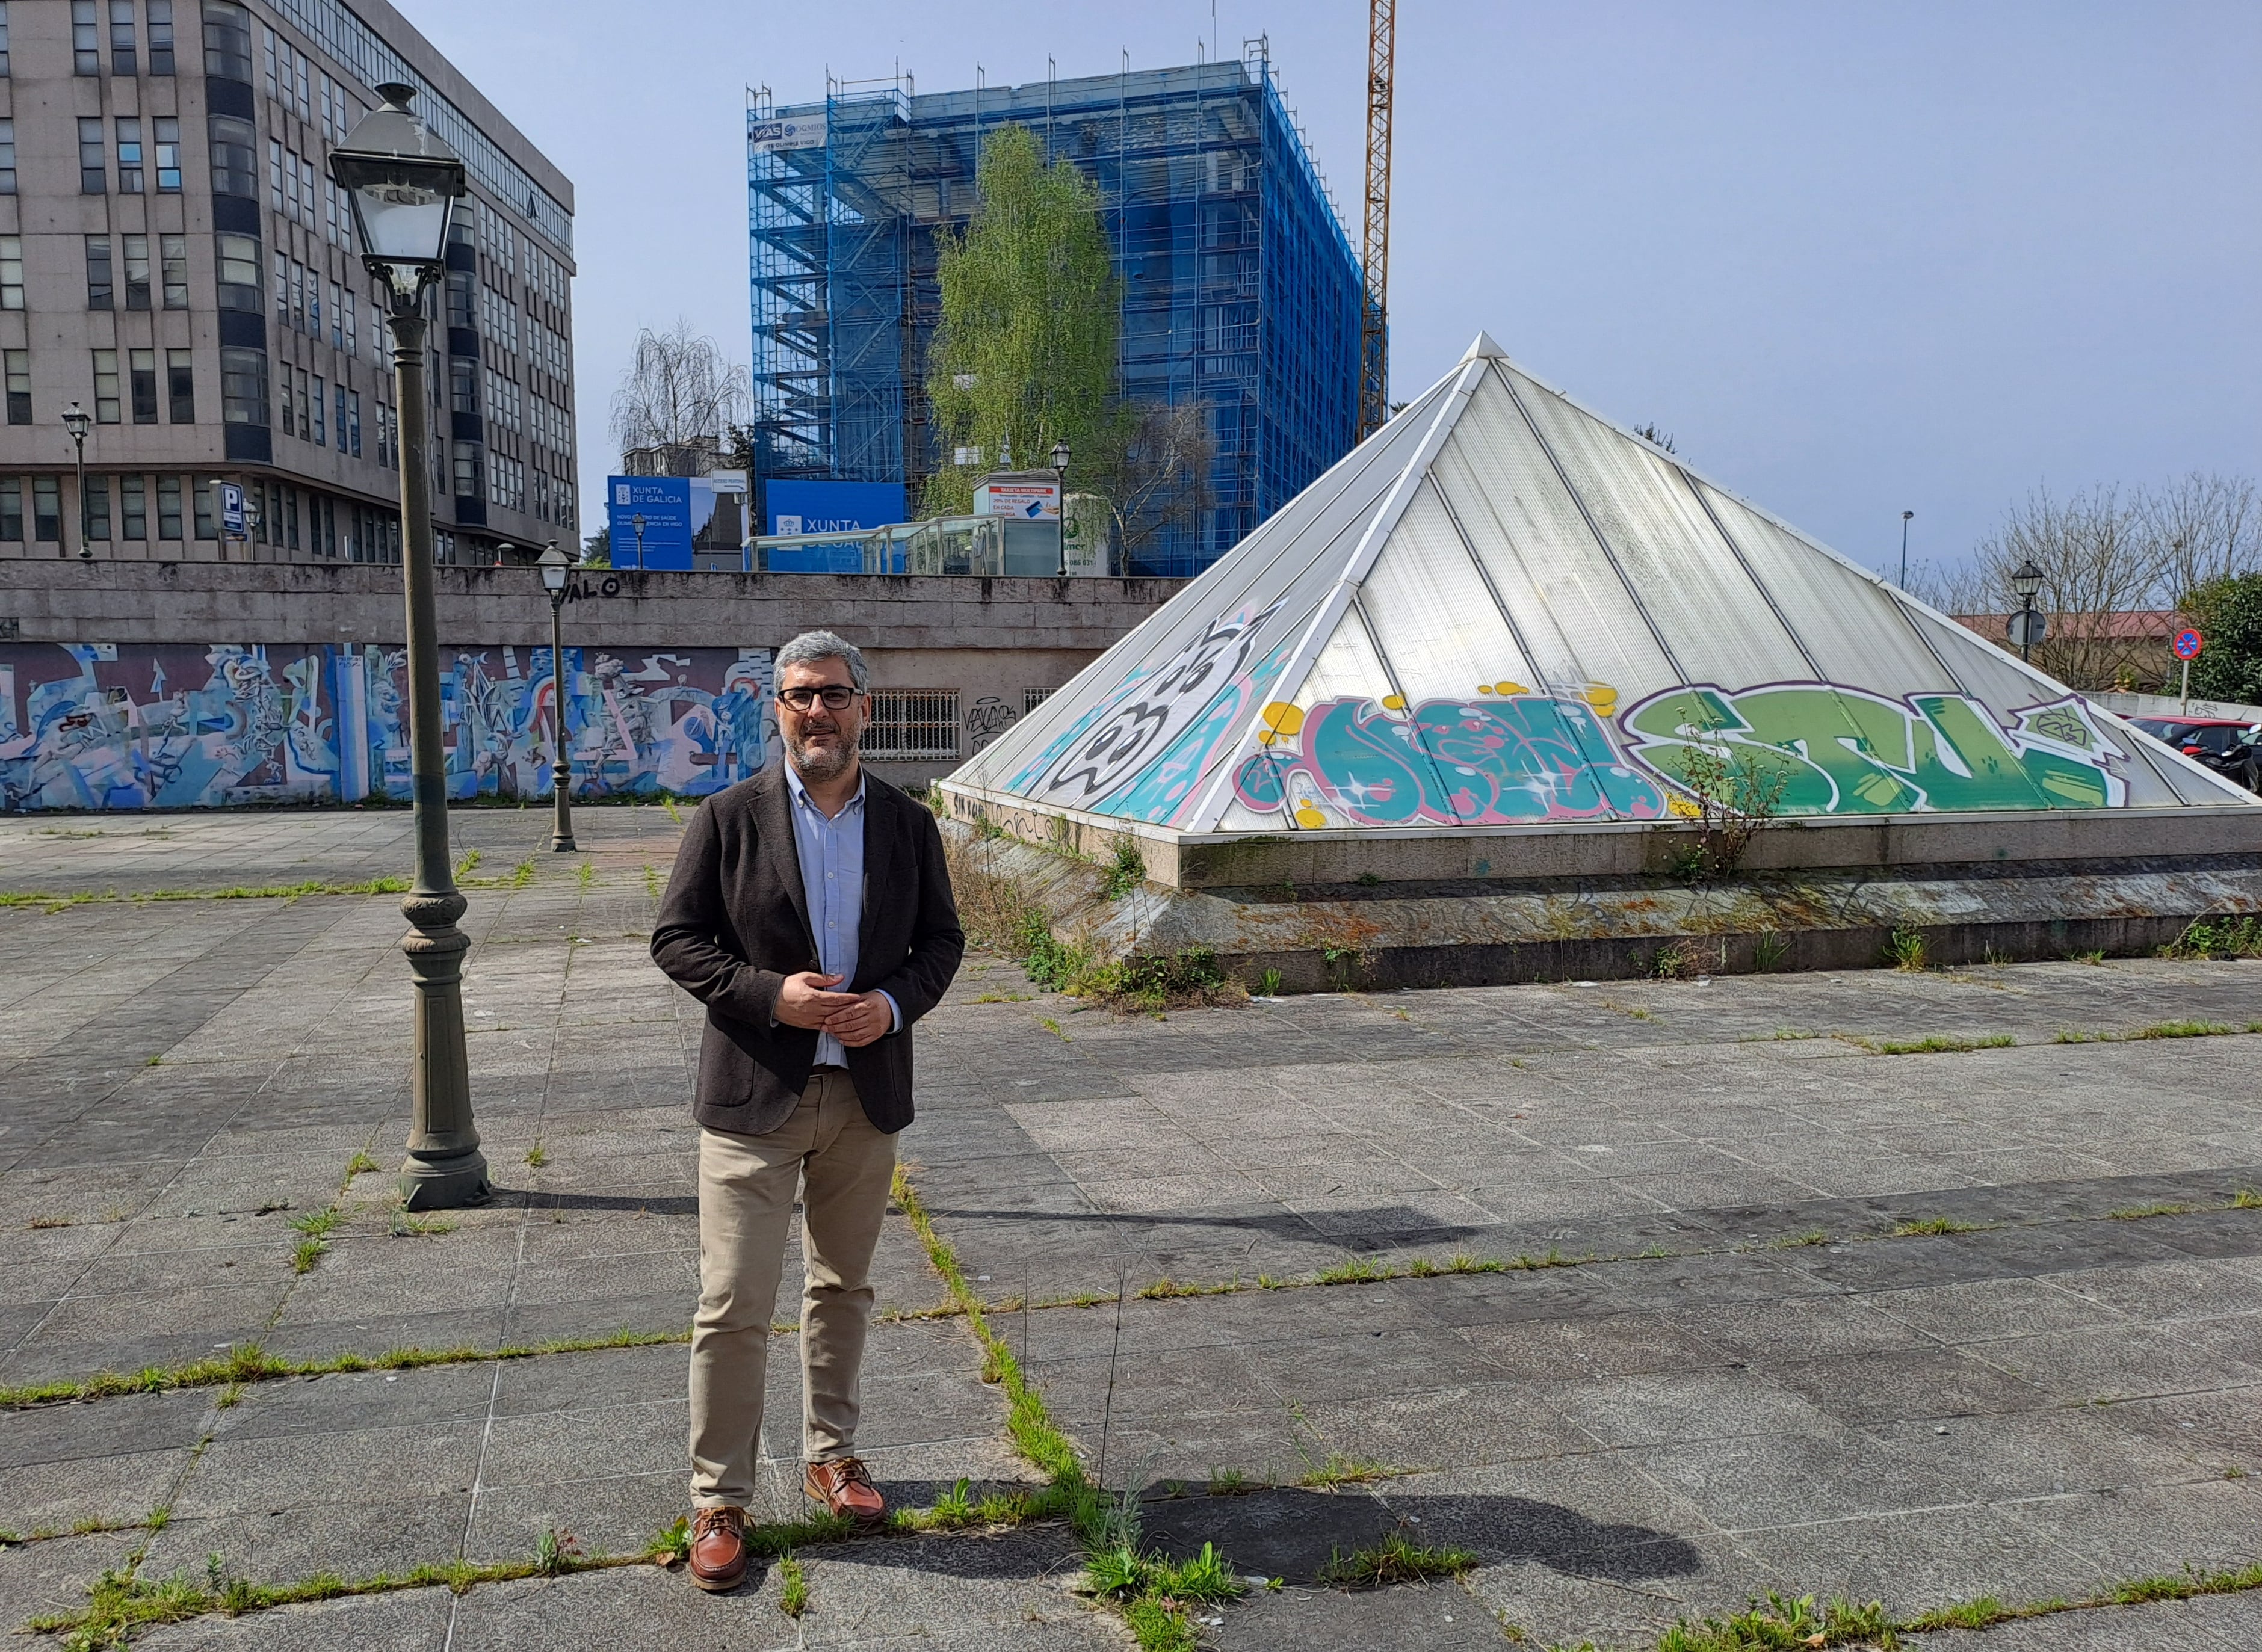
<point>1375,263</point>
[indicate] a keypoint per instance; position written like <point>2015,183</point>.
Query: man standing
<point>810,912</point>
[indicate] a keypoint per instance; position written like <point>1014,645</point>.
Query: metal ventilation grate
<point>912,725</point>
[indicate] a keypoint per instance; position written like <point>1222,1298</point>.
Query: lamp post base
<point>444,1184</point>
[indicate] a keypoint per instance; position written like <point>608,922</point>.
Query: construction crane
<point>1375,263</point>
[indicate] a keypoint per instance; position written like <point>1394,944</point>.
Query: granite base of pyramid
<point>1319,915</point>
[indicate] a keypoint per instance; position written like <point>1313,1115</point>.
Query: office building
<point>1240,290</point>
<point>175,261</point>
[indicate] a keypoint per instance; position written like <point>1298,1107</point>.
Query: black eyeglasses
<point>836,697</point>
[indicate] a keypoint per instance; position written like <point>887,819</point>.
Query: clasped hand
<point>855,1018</point>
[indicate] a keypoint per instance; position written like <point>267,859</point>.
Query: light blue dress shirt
<point>831,849</point>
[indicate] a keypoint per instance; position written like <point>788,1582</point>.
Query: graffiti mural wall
<point>92,725</point>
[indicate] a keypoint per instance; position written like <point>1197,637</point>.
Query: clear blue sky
<point>1856,257</point>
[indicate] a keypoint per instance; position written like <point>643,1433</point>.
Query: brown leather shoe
<point>843,1486</point>
<point>718,1548</point>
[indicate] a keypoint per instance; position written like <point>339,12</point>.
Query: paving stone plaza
<point>1921,1326</point>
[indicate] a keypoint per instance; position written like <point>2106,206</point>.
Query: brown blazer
<point>735,922</point>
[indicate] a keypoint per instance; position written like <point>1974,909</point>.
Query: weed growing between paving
<point>1396,1559</point>
<point>54,903</point>
<point>2217,937</point>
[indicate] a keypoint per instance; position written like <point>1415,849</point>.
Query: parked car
<point>2228,746</point>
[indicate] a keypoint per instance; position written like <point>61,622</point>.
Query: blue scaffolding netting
<point>1241,290</point>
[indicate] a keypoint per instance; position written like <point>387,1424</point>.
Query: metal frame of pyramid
<point>1501,612</point>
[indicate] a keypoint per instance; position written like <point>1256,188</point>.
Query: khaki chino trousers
<point>843,1165</point>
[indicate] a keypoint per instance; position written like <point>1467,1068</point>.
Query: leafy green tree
<point>597,549</point>
<point>2228,611</point>
<point>1025,352</point>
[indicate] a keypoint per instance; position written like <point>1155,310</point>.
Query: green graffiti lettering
<point>1844,751</point>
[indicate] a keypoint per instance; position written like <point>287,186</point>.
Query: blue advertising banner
<point>664,503</point>
<point>833,507</point>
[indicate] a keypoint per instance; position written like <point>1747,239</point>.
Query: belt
<point>828,1067</point>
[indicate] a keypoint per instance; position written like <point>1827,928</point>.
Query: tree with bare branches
<point>678,391</point>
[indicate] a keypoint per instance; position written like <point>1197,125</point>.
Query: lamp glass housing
<point>74,420</point>
<point>554,564</point>
<point>1060,455</point>
<point>403,182</point>
<point>2027,579</point>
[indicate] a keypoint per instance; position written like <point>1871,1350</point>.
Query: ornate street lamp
<point>2027,626</point>
<point>1059,484</point>
<point>75,421</point>
<point>636,522</point>
<point>404,183</point>
<point>555,567</point>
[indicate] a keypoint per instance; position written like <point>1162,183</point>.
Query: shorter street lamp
<point>1060,472</point>
<point>1905,515</point>
<point>75,421</point>
<point>636,522</point>
<point>2027,626</point>
<point>555,567</point>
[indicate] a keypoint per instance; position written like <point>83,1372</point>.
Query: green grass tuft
<point>1396,1559</point>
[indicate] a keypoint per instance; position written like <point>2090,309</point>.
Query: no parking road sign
<point>2188,644</point>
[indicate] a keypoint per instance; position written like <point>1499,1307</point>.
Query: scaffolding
<point>1241,290</point>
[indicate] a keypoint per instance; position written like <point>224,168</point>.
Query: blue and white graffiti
<point>92,725</point>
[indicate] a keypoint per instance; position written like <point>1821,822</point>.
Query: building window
<point>353,342</point>
<point>129,155</point>
<point>316,402</point>
<point>207,519</point>
<point>19,386</point>
<point>97,507</point>
<point>289,402</point>
<point>86,39</point>
<point>11,509</point>
<point>912,725</point>
<point>275,178</point>
<point>121,37</point>
<point>106,387</point>
<point>337,320</point>
<point>1033,697</point>
<point>238,272</point>
<point>463,385</point>
<point>305,412</point>
<point>168,135</point>
<point>459,298</point>
<point>291,519</point>
<point>243,386</point>
<point>142,385</point>
<point>99,290</point>
<point>169,507</point>
<point>228,41</point>
<point>351,417</point>
<point>137,271</point>
<point>7,157</point>
<point>12,272</point>
<point>3,60</point>
<point>338,424</point>
<point>161,41</point>
<point>235,156</point>
<point>173,250</point>
<point>134,508</point>
<point>467,471</point>
<point>47,509</point>
<point>181,386</point>
<point>92,164</point>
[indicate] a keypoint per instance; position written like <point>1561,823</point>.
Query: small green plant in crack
<point>1053,1027</point>
<point>1933,1226</point>
<point>1229,1482</point>
<point>2139,1212</point>
<point>537,1156</point>
<point>587,874</point>
<point>463,866</point>
<point>1396,1559</point>
<point>1337,1469</point>
<point>361,1162</point>
<point>556,1553</point>
<point>1357,1271</point>
<point>1792,1242</point>
<point>2247,1199</point>
<point>793,1586</point>
<point>1905,949</point>
<point>1932,1044</point>
<point>1770,950</point>
<point>1268,984</point>
<point>408,1226</point>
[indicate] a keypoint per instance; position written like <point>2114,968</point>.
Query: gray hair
<point>812,646</point>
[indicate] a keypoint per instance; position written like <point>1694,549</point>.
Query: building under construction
<point>1240,290</point>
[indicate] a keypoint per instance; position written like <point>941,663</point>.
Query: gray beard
<point>820,762</point>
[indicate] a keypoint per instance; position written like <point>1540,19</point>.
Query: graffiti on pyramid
<point>1509,755</point>
<point>89,725</point>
